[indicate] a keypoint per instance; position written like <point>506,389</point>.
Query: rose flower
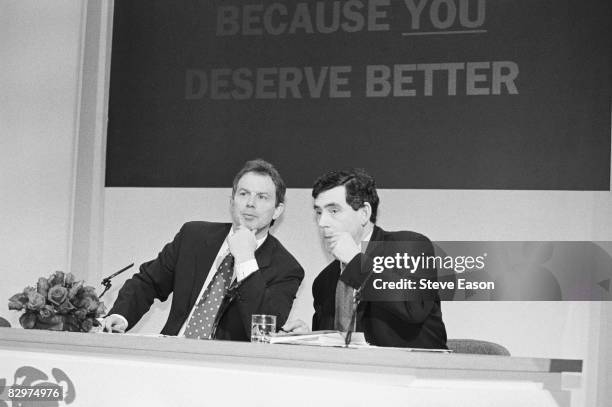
<point>80,313</point>
<point>35,301</point>
<point>42,286</point>
<point>74,290</point>
<point>46,313</point>
<point>90,304</point>
<point>18,301</point>
<point>86,325</point>
<point>56,278</point>
<point>57,294</point>
<point>65,307</point>
<point>69,279</point>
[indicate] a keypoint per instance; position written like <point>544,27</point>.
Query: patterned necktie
<point>345,304</point>
<point>201,324</point>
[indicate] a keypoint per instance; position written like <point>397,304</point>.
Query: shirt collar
<point>263,239</point>
<point>365,241</point>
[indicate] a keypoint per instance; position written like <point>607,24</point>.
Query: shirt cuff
<point>245,269</point>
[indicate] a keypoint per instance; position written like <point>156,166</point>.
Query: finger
<point>118,327</point>
<point>108,327</point>
<point>333,239</point>
<point>299,327</point>
<point>293,324</point>
<point>242,223</point>
<point>244,226</point>
<point>333,234</point>
<point>302,329</point>
<point>111,325</point>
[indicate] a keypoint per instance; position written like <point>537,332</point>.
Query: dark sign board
<point>458,94</point>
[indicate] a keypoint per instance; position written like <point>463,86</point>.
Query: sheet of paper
<point>321,338</point>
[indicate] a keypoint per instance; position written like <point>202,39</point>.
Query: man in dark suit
<point>346,204</point>
<point>220,274</point>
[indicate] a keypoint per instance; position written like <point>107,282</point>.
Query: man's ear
<point>278,211</point>
<point>365,212</point>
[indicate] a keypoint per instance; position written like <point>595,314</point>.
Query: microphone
<point>4,323</point>
<point>106,282</point>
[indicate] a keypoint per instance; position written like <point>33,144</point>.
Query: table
<point>125,370</point>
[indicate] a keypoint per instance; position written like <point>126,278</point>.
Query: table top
<point>378,359</point>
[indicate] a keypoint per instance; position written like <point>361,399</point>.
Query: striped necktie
<point>345,304</point>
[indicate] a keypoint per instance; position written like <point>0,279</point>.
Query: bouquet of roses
<point>58,303</point>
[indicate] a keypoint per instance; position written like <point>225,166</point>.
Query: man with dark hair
<point>262,167</point>
<point>220,273</point>
<point>346,204</point>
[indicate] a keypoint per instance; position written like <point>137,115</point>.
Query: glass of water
<point>262,326</point>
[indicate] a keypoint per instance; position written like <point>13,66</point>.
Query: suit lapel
<point>378,236</point>
<point>264,253</point>
<point>373,246</point>
<point>207,248</point>
<point>329,312</point>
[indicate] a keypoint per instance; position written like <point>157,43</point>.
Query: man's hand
<point>296,326</point>
<point>242,244</point>
<point>114,323</point>
<point>343,247</point>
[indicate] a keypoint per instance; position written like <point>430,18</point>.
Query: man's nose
<point>251,201</point>
<point>323,220</point>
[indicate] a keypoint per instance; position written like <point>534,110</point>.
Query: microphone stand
<point>107,281</point>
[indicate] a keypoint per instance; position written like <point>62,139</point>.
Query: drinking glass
<point>262,326</point>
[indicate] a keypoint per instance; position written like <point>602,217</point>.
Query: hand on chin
<point>343,247</point>
<point>242,243</point>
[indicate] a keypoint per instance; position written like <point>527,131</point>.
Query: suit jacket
<point>181,268</point>
<point>416,323</point>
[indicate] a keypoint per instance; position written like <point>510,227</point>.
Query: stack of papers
<point>322,338</point>
<point>336,339</point>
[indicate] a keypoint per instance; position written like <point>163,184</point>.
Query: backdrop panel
<point>459,94</point>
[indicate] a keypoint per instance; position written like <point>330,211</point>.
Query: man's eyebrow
<point>267,193</point>
<point>332,204</point>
